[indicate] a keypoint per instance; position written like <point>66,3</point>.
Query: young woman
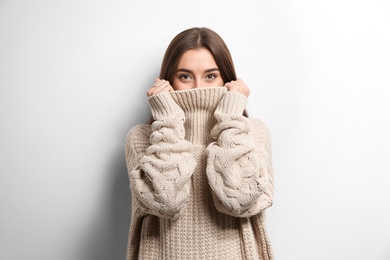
<point>201,172</point>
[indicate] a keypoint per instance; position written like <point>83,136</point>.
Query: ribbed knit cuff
<point>162,105</point>
<point>233,103</point>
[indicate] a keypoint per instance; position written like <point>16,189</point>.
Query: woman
<point>201,172</point>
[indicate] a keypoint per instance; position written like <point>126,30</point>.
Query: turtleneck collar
<point>199,105</point>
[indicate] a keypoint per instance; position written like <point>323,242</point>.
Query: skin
<point>197,69</point>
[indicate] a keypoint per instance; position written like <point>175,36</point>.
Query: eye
<point>184,77</point>
<point>211,76</point>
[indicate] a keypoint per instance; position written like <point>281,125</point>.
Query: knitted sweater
<point>201,177</point>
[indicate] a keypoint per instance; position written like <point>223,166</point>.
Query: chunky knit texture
<point>201,177</point>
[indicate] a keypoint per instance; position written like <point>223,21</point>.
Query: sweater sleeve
<point>239,167</point>
<point>160,178</point>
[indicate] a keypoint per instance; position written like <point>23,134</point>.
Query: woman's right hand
<point>159,86</point>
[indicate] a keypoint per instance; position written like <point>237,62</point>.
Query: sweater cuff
<point>233,103</point>
<point>163,105</point>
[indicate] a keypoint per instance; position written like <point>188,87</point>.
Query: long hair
<point>195,38</point>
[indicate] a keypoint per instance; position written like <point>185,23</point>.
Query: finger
<point>158,82</point>
<point>238,86</point>
<point>161,84</point>
<point>149,93</point>
<point>230,85</point>
<point>159,90</point>
<point>164,86</point>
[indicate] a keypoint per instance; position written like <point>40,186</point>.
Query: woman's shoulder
<point>258,123</point>
<point>259,126</point>
<point>139,132</point>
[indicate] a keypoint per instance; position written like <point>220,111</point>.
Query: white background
<point>73,77</point>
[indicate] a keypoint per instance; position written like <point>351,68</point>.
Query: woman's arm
<point>160,174</point>
<point>239,166</point>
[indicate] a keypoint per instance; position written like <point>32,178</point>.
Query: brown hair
<point>195,38</point>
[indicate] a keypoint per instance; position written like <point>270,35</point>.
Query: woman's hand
<point>238,86</point>
<point>160,85</point>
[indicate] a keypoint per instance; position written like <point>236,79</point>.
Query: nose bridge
<point>198,82</point>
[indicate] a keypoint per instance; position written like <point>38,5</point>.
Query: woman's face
<point>197,69</point>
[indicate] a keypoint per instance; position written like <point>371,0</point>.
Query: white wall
<point>73,76</point>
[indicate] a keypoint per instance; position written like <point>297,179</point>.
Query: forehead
<point>196,58</point>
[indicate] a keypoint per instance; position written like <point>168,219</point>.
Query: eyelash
<point>184,76</point>
<point>213,76</point>
<point>208,76</point>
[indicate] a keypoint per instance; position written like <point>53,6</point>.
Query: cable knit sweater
<point>201,177</point>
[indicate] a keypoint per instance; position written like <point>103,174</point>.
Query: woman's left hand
<point>238,86</point>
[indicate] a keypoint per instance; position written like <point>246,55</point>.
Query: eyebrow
<point>189,71</point>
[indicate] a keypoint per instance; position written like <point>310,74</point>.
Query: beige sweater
<point>201,177</point>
